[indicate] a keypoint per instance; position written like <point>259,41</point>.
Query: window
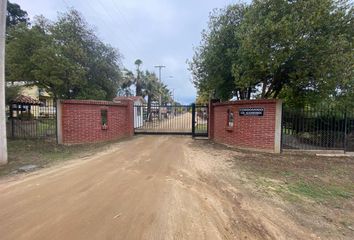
<point>230,118</point>
<point>104,117</point>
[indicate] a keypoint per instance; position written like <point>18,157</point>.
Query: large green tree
<point>212,63</point>
<point>295,49</point>
<point>64,57</point>
<point>15,15</point>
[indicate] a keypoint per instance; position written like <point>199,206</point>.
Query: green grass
<point>295,190</point>
<point>201,127</point>
<point>46,127</point>
<point>319,192</point>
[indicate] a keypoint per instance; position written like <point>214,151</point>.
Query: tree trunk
<point>264,87</point>
<point>249,91</point>
<point>138,90</point>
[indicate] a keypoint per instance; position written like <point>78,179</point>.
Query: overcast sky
<point>159,32</point>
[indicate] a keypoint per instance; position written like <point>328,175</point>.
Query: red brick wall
<point>253,132</point>
<point>81,121</point>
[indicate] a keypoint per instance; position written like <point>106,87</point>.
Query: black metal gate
<point>32,121</point>
<point>171,119</point>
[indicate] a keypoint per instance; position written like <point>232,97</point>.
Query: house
<point>139,103</point>
<point>46,108</point>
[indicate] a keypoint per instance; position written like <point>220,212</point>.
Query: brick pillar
<point>130,117</point>
<point>211,118</point>
<point>59,123</point>
<point>278,126</point>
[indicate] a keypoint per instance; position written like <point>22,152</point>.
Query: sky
<point>159,32</point>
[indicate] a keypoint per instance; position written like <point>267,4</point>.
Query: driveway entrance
<point>149,187</point>
<point>168,119</point>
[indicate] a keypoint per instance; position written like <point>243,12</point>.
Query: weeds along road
<point>150,187</point>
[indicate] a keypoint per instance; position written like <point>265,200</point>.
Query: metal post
<point>282,127</point>
<point>3,140</point>
<point>12,120</point>
<point>345,130</point>
<point>193,119</point>
<point>56,119</point>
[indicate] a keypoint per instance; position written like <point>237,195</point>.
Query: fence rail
<point>321,128</point>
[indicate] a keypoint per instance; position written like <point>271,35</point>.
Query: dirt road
<point>179,123</point>
<point>146,188</point>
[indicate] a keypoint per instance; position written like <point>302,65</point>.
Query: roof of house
<point>22,99</point>
<point>131,98</point>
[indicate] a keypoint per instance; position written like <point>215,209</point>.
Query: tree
<point>202,98</point>
<point>212,63</point>
<point>64,57</point>
<point>300,51</point>
<point>277,48</point>
<point>138,84</point>
<point>11,92</point>
<point>15,15</point>
<point>126,83</point>
<point>150,90</point>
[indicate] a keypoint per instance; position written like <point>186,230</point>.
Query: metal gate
<point>25,120</point>
<point>171,119</point>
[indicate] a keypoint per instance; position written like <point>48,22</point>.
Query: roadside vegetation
<point>300,51</point>
<point>302,177</point>
<point>317,191</point>
<point>67,59</point>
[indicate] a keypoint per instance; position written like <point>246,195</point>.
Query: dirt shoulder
<point>163,187</point>
<point>316,192</point>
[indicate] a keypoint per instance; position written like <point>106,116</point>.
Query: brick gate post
<point>130,117</point>
<point>59,122</point>
<point>211,118</point>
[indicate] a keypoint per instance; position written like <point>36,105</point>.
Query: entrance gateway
<point>171,119</point>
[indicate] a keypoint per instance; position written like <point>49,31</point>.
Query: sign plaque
<point>251,111</point>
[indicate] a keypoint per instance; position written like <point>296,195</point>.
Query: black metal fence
<point>171,119</point>
<point>200,121</point>
<point>32,121</point>
<point>320,128</point>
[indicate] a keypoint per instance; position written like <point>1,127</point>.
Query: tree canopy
<point>64,57</point>
<point>149,86</point>
<point>294,49</point>
<point>15,15</point>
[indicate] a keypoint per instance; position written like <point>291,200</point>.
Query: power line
<point>125,42</point>
<point>126,37</point>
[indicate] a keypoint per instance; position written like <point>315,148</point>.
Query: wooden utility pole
<point>3,140</point>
